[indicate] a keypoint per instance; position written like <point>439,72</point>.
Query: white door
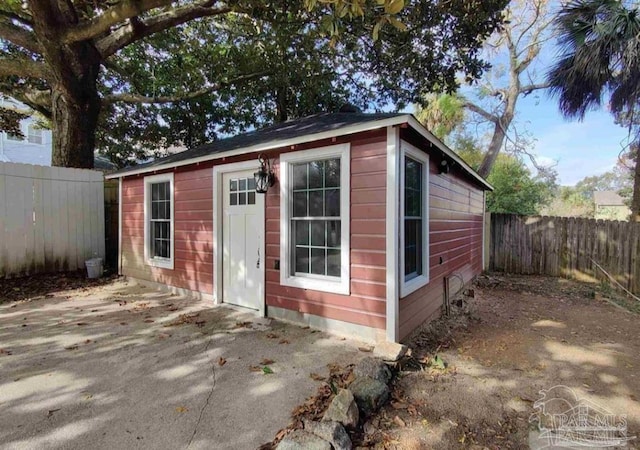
<point>242,237</point>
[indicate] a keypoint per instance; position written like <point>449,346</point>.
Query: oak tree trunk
<point>75,119</point>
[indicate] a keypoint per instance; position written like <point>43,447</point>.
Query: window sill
<point>315,284</point>
<point>408,287</point>
<point>161,263</point>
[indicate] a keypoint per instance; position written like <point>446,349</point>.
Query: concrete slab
<point>124,366</point>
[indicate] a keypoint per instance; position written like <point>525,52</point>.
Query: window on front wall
<point>414,231</point>
<point>34,134</point>
<point>315,219</point>
<point>159,220</point>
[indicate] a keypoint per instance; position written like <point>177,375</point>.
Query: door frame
<point>218,244</point>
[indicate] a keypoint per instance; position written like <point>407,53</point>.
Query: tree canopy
<point>139,75</point>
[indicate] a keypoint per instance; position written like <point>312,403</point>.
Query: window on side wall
<point>314,222</point>
<point>158,218</point>
<point>34,134</point>
<point>414,229</point>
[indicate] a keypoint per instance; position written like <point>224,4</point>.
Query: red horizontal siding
<point>366,303</point>
<point>193,232</point>
<point>455,245</point>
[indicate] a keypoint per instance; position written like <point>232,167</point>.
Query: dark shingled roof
<point>317,123</point>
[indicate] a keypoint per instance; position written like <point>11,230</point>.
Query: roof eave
<point>416,125</point>
<point>352,129</point>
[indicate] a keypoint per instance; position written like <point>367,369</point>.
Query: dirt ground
<point>518,336</point>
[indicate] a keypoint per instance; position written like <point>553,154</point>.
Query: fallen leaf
<point>123,323</point>
<point>5,352</point>
<point>272,336</point>
<point>398,421</point>
<point>267,370</point>
<point>88,341</point>
<point>266,362</point>
<point>255,368</point>
<point>221,361</point>
<point>242,325</point>
<point>149,320</point>
<point>181,409</point>
<point>316,377</point>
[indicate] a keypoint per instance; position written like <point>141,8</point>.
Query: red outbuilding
<point>367,222</point>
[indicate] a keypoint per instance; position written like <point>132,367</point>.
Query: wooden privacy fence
<point>566,247</point>
<point>51,218</point>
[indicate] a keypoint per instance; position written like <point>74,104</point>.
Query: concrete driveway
<point>124,366</point>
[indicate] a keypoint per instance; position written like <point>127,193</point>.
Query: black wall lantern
<point>264,176</point>
<point>444,166</point>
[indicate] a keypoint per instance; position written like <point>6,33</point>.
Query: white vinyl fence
<point>51,218</point>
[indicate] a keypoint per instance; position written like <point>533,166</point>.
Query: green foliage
<point>442,113</point>
<point>308,57</point>
<point>516,190</point>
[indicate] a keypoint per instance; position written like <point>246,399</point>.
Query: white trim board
<point>392,246</point>
<point>359,128</point>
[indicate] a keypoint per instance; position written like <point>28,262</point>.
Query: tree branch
<point>98,25</point>
<point>481,112</point>
<point>18,36</point>
<point>136,30</point>
<point>23,67</point>
<point>140,99</point>
<point>21,17</point>
<point>529,88</point>
<point>36,99</point>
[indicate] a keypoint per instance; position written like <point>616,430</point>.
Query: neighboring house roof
<point>607,198</point>
<point>306,129</point>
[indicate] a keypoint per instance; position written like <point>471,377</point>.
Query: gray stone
<point>390,351</point>
<point>343,409</point>
<point>370,394</point>
<point>302,440</point>
<point>332,432</point>
<point>373,368</point>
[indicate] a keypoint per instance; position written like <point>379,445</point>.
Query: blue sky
<point>580,149</point>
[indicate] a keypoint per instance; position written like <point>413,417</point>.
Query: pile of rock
<point>363,397</point>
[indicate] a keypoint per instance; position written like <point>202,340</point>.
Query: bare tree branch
<point>135,98</point>
<point>38,100</point>
<point>138,29</point>
<point>23,67</point>
<point>18,36</point>
<point>529,88</point>
<point>481,112</point>
<point>118,13</point>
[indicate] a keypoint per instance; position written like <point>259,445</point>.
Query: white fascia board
<point>359,128</point>
<point>413,122</point>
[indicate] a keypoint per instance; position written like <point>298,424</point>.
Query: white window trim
<point>407,287</point>
<point>165,263</point>
<point>324,284</point>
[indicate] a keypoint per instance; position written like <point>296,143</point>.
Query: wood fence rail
<point>566,247</point>
<point>51,218</point>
